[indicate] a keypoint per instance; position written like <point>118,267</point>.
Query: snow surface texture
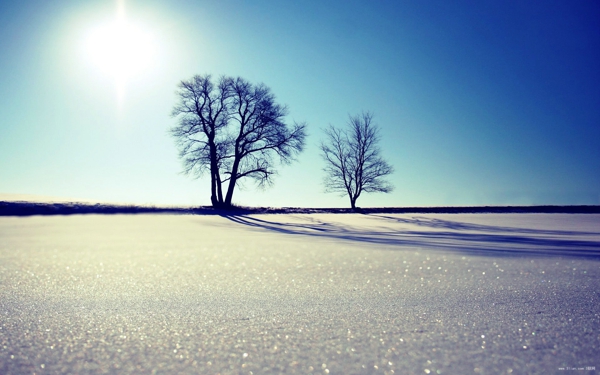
<point>319,293</point>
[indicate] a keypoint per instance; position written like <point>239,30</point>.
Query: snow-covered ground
<point>300,293</point>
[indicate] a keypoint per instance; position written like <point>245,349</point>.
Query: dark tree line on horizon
<point>233,129</point>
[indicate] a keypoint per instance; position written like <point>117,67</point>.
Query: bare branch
<point>235,129</point>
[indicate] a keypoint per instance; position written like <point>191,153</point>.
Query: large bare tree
<point>353,164</point>
<point>232,129</point>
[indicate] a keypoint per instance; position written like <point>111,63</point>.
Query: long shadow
<point>455,225</point>
<point>458,237</point>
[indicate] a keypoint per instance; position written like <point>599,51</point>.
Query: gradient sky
<point>479,102</point>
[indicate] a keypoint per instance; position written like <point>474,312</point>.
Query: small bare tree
<point>233,129</point>
<point>352,161</point>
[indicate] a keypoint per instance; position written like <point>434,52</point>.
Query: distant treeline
<point>34,208</point>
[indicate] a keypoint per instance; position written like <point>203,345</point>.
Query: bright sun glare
<point>120,49</point>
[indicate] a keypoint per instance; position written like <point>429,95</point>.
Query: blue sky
<point>479,102</point>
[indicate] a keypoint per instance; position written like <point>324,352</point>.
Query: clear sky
<point>479,102</point>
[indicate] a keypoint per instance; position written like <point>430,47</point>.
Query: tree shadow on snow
<point>443,234</point>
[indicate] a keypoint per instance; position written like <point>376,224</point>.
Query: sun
<point>121,49</point>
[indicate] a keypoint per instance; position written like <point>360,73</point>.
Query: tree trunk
<point>215,176</point>
<point>229,196</point>
<point>215,181</point>
<point>232,182</point>
<point>216,197</point>
<point>213,189</point>
<point>219,189</point>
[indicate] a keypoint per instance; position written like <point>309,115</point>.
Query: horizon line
<point>29,208</point>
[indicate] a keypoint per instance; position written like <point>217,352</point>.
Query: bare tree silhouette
<point>352,161</point>
<point>233,129</point>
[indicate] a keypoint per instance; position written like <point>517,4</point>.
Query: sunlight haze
<point>121,49</point>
